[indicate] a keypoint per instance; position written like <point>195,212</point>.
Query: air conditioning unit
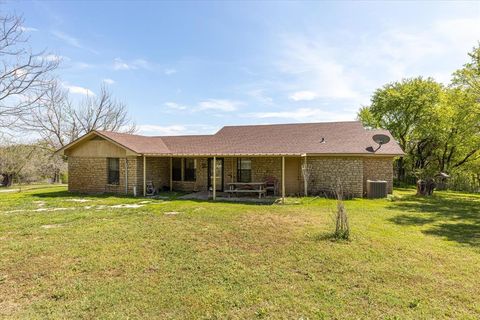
<point>376,189</point>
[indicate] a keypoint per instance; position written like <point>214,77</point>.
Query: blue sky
<point>192,67</point>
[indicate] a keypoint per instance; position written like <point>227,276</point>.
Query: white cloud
<point>219,105</point>
<point>172,130</point>
<point>175,130</point>
<point>67,38</point>
<point>351,69</point>
<point>141,63</point>
<point>55,58</point>
<point>78,90</point>
<point>435,50</point>
<point>71,40</point>
<point>120,64</point>
<point>108,81</point>
<point>174,106</point>
<point>82,65</point>
<point>303,96</point>
<point>169,71</point>
<point>28,29</point>
<point>312,63</point>
<point>303,115</point>
<point>214,107</point>
<point>259,95</point>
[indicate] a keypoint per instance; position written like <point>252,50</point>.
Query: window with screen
<point>177,169</point>
<point>190,169</point>
<point>244,170</point>
<point>113,171</point>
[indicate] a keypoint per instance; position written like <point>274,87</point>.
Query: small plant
<point>307,173</point>
<point>342,227</point>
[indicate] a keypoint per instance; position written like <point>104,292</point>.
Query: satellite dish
<point>380,139</point>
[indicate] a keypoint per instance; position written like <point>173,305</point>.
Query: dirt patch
<point>79,200</point>
<point>40,210</point>
<point>126,206</point>
<point>171,213</point>
<point>10,190</point>
<point>51,226</point>
<point>93,207</point>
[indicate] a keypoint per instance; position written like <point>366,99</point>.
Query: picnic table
<point>246,187</point>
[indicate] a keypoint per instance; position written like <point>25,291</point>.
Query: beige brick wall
<point>328,172</point>
<point>132,174</point>
<point>89,175</point>
<point>158,171</point>
<point>378,169</point>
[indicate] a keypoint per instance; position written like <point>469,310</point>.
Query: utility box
<point>376,189</point>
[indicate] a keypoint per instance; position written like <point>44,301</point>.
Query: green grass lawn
<point>409,258</point>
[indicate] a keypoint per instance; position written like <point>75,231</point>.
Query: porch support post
<point>144,175</point>
<point>126,175</point>
<point>214,183</point>
<point>171,174</point>
<point>283,179</point>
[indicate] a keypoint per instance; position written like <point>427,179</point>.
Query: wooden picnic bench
<point>246,187</point>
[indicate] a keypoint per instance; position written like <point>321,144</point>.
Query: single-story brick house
<point>336,152</point>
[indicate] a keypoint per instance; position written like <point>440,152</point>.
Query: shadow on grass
<point>455,217</point>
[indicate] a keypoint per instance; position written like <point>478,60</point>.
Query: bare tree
<point>307,170</point>
<point>53,118</point>
<point>103,113</point>
<point>23,74</point>
<point>58,121</point>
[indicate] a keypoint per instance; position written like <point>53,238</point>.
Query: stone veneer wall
<point>158,171</point>
<point>89,174</point>
<point>327,172</point>
<point>378,169</point>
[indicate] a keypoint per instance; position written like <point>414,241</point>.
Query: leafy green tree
<point>468,77</point>
<point>407,109</point>
<point>457,129</point>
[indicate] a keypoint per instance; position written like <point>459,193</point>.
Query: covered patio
<point>244,176</point>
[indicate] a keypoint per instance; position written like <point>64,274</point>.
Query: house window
<point>190,173</point>
<point>244,170</point>
<point>177,169</point>
<point>113,171</point>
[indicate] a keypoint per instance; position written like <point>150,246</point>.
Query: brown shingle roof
<point>137,143</point>
<point>279,139</point>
